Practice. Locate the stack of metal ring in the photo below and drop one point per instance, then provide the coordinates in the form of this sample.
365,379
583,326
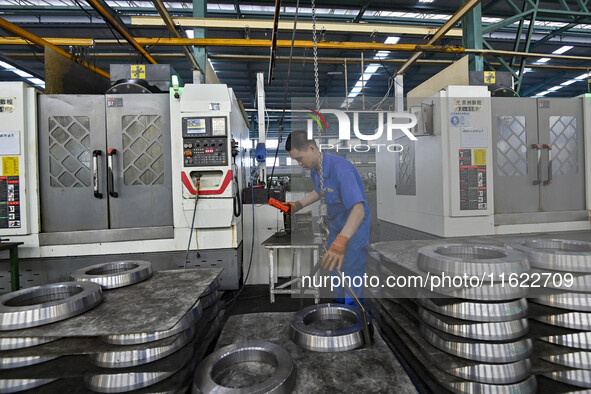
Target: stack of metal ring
481,323
37,306
157,361
302,330
161,359
565,305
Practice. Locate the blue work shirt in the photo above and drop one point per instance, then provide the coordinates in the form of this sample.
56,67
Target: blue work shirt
344,189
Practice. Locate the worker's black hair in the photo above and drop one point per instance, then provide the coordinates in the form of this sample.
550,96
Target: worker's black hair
298,139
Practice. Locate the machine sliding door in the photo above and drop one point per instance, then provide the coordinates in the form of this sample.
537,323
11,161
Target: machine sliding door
560,125
138,140
72,157
539,159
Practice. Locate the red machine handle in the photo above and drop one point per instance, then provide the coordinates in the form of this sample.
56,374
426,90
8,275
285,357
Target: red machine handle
279,205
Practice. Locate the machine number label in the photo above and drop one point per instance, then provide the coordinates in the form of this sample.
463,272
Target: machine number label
114,102
473,187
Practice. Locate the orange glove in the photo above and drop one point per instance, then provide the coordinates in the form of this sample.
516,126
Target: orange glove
335,254
294,207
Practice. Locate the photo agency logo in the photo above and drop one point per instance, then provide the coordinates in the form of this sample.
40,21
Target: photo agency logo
390,121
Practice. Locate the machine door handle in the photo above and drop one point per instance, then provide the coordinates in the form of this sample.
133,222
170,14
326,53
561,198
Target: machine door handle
110,177
95,179
548,180
538,148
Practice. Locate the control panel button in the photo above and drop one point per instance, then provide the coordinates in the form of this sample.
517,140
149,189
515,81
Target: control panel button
188,153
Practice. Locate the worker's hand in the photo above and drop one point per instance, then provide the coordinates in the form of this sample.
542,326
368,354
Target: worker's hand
335,254
294,207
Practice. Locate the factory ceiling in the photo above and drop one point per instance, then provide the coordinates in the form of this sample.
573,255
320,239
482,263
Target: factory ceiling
557,28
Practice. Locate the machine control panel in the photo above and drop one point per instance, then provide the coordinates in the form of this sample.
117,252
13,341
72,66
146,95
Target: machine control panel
205,141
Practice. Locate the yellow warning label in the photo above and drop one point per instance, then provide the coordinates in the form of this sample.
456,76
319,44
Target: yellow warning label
479,157
9,166
490,77
138,71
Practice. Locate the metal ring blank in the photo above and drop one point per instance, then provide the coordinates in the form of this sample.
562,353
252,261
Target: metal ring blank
579,360
45,304
505,352
281,381
130,358
128,381
496,293
576,377
555,254
318,340
571,301
16,385
460,259
24,342
579,340
186,321
573,320
115,274
529,385
478,311
494,373
494,331
17,362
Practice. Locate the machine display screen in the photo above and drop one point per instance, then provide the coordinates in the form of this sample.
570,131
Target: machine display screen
196,126
209,150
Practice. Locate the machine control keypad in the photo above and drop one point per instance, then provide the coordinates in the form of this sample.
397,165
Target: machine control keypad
212,152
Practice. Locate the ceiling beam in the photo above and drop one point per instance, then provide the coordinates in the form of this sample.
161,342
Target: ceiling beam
113,21
161,8
274,42
451,22
29,37
329,27
361,12
237,6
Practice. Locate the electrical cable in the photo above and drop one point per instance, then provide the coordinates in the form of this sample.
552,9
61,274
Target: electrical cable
280,138
100,16
192,222
231,302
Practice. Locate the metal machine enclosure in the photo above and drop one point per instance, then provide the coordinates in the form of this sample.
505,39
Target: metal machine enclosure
207,125
98,179
476,174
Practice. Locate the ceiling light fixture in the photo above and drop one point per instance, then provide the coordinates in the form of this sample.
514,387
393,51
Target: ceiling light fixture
563,49
570,82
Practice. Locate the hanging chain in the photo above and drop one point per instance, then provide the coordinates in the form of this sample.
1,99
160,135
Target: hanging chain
315,50
323,221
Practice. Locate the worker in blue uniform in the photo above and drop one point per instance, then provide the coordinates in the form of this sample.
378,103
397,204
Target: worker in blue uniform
347,209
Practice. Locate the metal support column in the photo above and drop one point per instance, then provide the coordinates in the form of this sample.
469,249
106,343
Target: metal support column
472,37
200,11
